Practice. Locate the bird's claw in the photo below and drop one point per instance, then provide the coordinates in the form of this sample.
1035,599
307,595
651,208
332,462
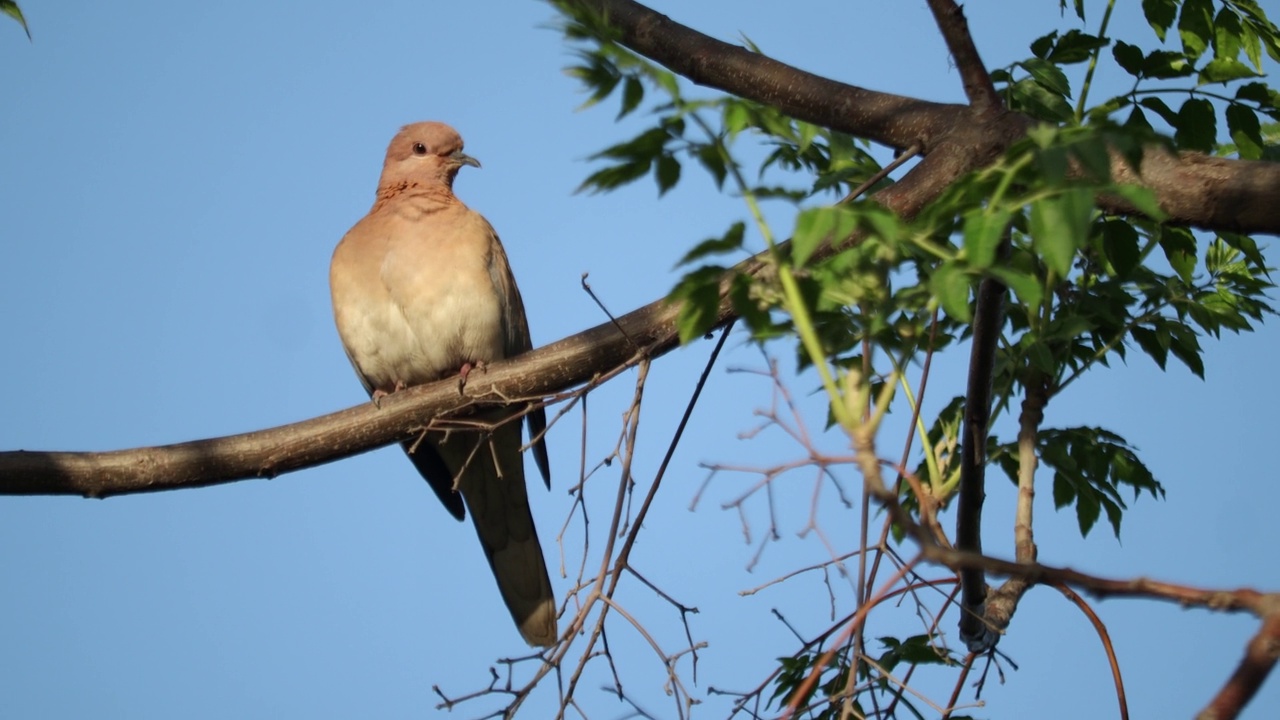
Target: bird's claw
465,371
380,393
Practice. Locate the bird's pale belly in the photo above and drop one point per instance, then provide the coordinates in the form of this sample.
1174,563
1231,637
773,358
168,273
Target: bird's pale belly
395,348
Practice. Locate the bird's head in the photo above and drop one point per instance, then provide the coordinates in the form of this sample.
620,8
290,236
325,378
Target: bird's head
425,153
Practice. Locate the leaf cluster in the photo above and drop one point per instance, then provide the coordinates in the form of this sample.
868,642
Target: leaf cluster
865,294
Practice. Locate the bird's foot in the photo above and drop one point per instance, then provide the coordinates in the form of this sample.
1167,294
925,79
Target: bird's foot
380,393
465,371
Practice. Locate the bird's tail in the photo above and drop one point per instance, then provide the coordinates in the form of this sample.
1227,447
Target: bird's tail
492,485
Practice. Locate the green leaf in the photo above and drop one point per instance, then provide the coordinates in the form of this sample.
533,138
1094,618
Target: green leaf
883,223
915,650
645,146
1075,47
1079,7
1094,157
1186,348
1036,100
1252,45
666,80
1090,465
614,176
754,310
1155,345
808,131
1141,198
632,94
1041,358
1041,46
814,226
1114,514
1088,509
1137,122
1052,162
1222,70
1195,27
713,160
1179,247
1246,245
983,229
1048,75
1067,327
737,116
1161,109
698,294
1160,14
10,8
1266,97
1196,128
1105,109
598,74
1164,64
1060,225
729,242
1025,285
1064,493
667,173
1227,35
1165,112
1245,130
1256,20
1120,245
1129,57
950,283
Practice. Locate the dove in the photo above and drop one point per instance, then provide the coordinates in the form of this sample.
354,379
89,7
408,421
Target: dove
422,291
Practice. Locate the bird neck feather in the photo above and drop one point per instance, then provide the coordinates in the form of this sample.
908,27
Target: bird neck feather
434,193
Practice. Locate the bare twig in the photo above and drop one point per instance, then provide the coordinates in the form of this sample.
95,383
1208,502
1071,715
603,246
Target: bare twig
586,286
1107,646
881,174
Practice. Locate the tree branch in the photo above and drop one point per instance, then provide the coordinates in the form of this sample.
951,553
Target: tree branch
1002,602
589,357
1193,189
973,73
1260,604
1259,659
987,323
885,118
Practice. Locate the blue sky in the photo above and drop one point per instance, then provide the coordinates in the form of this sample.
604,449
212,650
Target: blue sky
175,177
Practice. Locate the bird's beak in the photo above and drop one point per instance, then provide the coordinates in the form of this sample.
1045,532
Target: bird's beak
464,159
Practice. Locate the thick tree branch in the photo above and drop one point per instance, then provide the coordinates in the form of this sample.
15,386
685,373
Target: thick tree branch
884,118
588,357
987,323
973,73
1193,189
1206,192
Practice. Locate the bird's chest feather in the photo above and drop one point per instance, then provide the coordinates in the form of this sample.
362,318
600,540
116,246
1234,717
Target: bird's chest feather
429,307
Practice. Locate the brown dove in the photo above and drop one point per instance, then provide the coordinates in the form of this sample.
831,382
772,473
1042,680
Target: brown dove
422,291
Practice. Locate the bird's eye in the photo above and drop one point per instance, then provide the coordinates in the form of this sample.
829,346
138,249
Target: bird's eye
419,149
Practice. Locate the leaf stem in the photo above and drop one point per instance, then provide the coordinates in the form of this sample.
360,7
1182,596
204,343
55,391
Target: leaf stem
1093,63
793,300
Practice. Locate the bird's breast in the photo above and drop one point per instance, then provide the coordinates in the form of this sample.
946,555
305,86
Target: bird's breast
419,314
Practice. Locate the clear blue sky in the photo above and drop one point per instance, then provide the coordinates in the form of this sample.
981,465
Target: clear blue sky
175,177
